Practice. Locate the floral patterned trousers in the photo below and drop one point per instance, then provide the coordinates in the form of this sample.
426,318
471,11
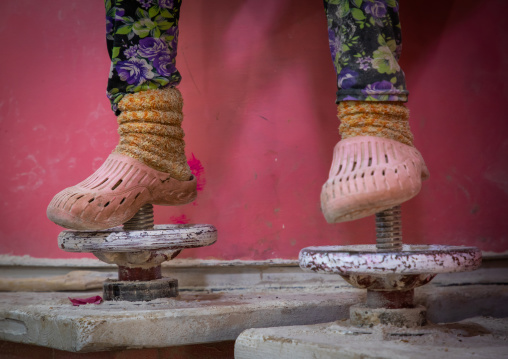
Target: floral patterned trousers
364,36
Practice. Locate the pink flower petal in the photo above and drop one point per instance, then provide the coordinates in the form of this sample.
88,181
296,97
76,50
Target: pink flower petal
82,301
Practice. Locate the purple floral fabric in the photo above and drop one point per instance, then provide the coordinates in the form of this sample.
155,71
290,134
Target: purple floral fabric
142,38
365,44
364,37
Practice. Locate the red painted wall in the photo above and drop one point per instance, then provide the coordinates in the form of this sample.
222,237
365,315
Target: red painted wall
259,91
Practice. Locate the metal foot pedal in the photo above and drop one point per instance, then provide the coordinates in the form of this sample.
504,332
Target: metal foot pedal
388,325
138,249
389,271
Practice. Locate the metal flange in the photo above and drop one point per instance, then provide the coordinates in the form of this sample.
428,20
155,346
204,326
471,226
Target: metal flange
411,260
161,237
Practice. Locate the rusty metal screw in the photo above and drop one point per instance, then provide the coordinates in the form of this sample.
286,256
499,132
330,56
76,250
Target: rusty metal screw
389,230
143,219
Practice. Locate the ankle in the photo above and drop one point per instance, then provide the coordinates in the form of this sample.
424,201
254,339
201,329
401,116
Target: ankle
380,119
150,131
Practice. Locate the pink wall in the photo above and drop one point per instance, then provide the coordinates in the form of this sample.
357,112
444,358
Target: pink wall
259,91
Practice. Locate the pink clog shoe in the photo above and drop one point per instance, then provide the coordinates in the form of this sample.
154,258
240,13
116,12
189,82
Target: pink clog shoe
115,192
368,175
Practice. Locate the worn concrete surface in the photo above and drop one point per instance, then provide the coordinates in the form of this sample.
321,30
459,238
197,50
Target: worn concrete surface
49,319
72,281
218,301
478,337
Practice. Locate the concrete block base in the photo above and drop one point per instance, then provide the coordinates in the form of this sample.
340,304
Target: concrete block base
478,337
49,319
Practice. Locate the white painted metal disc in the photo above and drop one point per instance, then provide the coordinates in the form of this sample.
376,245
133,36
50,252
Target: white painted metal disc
413,259
162,237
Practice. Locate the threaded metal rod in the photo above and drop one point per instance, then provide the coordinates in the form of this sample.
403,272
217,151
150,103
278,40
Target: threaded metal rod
389,230
143,219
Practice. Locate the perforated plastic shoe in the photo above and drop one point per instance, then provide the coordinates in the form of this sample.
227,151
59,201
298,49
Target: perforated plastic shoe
115,192
369,175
